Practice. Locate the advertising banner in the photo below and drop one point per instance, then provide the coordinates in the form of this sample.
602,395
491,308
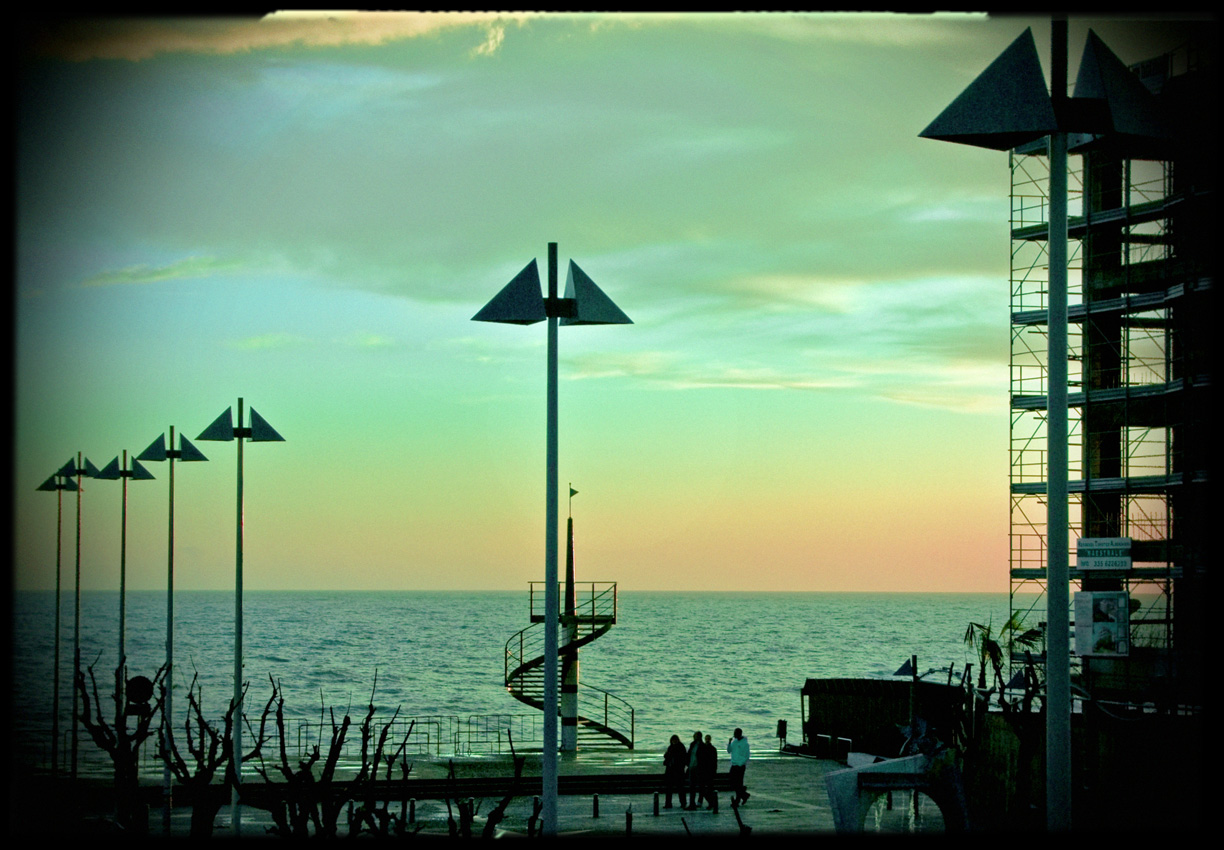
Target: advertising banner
1103,553
1102,623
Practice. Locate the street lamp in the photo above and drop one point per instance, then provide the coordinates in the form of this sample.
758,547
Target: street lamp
1006,106
156,453
520,303
111,472
223,429
78,470
59,483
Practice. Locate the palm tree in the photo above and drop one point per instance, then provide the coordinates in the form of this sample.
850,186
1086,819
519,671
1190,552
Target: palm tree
990,650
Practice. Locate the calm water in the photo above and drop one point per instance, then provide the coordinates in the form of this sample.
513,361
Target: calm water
685,661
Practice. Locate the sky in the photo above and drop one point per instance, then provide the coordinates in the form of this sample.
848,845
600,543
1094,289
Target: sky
305,211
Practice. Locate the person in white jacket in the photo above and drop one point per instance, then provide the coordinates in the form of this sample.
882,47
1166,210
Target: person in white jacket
737,746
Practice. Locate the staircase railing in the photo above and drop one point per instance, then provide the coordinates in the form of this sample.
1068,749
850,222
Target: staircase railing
595,601
594,613
608,710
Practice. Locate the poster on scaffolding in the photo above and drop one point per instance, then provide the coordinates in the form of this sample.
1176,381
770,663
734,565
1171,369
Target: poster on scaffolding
1102,623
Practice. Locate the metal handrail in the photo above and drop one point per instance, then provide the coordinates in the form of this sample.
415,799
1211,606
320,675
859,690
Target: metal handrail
616,712
595,608
599,601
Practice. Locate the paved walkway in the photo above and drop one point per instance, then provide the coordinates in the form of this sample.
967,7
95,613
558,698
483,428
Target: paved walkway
788,797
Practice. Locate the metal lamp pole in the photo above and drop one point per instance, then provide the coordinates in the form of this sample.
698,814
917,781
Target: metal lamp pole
59,482
158,452
111,472
222,429
78,470
1058,594
1006,106
520,303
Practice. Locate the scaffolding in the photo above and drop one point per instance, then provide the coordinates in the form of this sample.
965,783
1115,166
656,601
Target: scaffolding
1140,277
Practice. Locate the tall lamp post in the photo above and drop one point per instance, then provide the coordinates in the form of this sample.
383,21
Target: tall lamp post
520,303
1006,106
79,469
111,472
223,429
59,483
156,453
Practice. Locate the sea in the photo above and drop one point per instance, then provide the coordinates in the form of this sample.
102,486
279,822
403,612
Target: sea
684,661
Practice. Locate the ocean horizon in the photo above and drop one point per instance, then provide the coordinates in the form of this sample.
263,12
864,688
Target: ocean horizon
684,660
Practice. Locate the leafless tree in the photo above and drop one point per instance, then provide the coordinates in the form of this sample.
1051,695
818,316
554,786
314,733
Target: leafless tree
209,750
310,806
499,812
132,698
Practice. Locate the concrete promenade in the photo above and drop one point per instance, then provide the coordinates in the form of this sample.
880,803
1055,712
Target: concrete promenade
788,797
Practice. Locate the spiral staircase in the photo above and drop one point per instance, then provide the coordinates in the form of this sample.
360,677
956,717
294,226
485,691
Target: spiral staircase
603,719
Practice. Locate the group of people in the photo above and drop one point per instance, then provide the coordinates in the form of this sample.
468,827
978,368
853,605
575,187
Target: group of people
689,773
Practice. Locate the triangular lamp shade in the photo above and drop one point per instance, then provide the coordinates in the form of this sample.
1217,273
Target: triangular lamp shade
1131,110
906,669
261,431
139,473
110,472
188,451
68,470
1007,105
520,301
591,305
222,428
49,484
156,450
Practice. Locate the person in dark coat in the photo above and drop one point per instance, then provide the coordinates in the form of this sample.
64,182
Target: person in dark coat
675,763
707,767
694,775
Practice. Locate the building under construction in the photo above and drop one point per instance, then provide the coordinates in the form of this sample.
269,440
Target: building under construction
1142,251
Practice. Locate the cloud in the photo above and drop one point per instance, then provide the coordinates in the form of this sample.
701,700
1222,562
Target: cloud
370,340
497,34
884,29
136,39
189,267
672,370
268,341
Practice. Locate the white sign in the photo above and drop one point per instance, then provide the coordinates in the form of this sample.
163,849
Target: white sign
1103,553
1102,623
